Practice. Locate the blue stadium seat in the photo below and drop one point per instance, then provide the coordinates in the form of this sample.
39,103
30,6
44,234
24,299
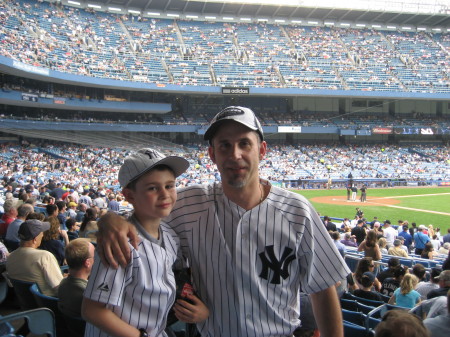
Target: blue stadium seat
40,321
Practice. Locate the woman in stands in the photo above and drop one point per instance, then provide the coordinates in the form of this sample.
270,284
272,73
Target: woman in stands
382,243
428,252
406,296
370,246
355,280
51,240
89,224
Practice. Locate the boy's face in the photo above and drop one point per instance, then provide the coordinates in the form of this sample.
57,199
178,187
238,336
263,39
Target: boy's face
154,195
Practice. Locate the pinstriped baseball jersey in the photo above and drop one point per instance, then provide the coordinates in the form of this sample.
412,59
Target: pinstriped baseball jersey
249,266
142,293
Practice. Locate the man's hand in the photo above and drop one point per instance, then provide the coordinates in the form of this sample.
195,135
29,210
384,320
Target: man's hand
191,313
114,232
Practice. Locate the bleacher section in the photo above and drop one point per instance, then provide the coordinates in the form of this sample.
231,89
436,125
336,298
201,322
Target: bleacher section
192,53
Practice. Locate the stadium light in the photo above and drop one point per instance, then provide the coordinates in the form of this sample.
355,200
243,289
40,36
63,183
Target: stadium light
228,18
391,27
94,6
245,19
421,28
329,23
114,9
262,20
210,17
360,25
345,24
280,20
76,3
296,21
436,29
173,15
376,26
313,22
153,13
406,28
192,16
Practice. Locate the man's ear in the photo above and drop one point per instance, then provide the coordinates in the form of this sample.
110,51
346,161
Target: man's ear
211,154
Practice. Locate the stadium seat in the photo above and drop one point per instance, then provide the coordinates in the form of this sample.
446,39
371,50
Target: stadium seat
23,294
353,330
40,321
349,304
51,303
354,317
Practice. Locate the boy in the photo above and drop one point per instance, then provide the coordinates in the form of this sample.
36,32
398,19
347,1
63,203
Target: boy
135,301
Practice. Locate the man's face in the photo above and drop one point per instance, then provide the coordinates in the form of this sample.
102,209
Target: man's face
237,151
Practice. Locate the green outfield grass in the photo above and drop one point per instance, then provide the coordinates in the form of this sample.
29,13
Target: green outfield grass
432,199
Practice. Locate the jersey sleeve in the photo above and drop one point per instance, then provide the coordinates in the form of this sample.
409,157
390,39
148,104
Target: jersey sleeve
106,285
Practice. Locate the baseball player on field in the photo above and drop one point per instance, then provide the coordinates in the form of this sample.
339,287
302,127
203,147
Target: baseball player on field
252,247
135,300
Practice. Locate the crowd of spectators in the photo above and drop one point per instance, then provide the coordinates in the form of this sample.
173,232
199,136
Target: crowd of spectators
293,166
180,52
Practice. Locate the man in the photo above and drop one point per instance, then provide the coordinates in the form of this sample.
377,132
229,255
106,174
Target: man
420,240
390,233
71,210
445,249
349,240
393,264
57,192
81,212
329,225
439,325
85,198
397,250
12,239
113,205
28,263
446,237
359,232
408,238
444,285
363,190
424,287
251,246
340,246
80,258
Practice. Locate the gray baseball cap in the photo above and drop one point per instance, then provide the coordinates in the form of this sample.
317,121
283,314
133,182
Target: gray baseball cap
29,229
142,161
239,114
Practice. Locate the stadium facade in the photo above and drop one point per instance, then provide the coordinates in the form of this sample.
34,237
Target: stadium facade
312,75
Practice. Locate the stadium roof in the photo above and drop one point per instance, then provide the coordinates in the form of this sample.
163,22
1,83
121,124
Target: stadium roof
434,13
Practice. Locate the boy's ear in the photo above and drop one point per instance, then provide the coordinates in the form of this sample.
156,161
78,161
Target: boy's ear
128,194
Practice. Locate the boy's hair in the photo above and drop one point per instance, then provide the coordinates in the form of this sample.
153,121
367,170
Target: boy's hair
132,184
401,323
77,252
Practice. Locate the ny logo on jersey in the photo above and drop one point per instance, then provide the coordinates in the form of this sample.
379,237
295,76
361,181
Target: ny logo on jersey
279,267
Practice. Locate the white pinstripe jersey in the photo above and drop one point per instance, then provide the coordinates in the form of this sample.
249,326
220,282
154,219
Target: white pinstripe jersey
142,293
249,266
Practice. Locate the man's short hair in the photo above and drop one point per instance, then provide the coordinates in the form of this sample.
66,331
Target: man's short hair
24,210
77,252
419,270
51,209
393,262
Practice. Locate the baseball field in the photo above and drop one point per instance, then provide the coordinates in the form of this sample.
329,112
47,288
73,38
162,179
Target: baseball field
422,205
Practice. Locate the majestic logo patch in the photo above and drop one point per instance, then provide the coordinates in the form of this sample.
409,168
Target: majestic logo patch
103,287
279,267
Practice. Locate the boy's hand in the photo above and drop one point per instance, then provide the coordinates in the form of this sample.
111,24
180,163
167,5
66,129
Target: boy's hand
191,313
113,234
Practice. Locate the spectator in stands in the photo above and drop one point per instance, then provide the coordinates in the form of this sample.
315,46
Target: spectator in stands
445,249
391,283
379,231
57,192
71,210
435,242
405,295
397,250
349,240
382,243
340,246
354,280
367,281
80,213
370,246
390,233
408,238
446,237
12,239
62,207
444,285
51,240
428,252
27,263
89,224
419,270
7,217
100,201
440,325
420,239
329,225
424,287
85,198
393,263
4,253
359,232
113,205
80,259
401,323
72,229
